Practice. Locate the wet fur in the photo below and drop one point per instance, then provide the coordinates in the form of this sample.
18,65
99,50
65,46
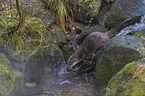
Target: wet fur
92,42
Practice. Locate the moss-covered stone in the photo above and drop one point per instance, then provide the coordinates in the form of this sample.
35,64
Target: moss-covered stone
130,81
122,9
103,69
8,77
108,18
116,53
139,35
44,51
85,12
69,49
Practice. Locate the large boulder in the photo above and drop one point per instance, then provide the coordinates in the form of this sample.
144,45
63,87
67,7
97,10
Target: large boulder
129,81
11,80
43,52
116,53
85,11
16,60
48,58
121,9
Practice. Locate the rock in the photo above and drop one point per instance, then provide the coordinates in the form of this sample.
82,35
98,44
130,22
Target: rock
43,52
121,9
16,60
49,57
137,30
133,29
11,80
129,81
85,11
96,28
34,68
116,53
58,35
37,53
140,35
69,49
54,57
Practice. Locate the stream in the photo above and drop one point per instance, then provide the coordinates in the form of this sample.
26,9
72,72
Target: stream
53,85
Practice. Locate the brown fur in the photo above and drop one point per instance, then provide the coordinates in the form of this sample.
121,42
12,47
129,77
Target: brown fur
92,42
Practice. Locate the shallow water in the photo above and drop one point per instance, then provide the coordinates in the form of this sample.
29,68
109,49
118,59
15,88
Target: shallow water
53,85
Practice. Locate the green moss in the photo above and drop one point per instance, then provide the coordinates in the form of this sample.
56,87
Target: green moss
109,18
139,35
12,25
68,50
103,70
34,37
137,86
130,81
8,75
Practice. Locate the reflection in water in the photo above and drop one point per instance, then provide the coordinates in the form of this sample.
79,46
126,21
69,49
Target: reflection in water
53,85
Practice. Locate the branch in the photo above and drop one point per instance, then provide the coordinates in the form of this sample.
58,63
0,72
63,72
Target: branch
20,13
20,20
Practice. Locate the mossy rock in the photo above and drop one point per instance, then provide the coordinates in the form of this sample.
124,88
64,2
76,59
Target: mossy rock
129,81
41,50
69,49
115,54
8,78
85,11
139,35
122,9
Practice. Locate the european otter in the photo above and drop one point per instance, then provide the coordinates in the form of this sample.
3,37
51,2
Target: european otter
92,42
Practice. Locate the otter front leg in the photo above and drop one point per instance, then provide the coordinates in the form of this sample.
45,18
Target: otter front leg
75,63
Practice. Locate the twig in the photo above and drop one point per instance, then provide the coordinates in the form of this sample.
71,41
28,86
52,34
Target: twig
20,20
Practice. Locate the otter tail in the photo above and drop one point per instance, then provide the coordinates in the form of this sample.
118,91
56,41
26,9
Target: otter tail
114,30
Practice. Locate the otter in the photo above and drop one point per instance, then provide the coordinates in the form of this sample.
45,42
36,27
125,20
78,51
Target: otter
92,42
